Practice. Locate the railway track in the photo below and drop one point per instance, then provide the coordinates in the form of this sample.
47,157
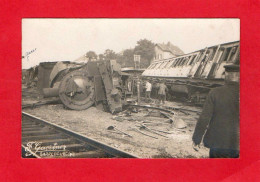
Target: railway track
42,139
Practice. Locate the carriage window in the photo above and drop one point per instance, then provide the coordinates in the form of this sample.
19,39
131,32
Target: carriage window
158,65
186,60
168,63
152,66
212,54
219,54
175,60
226,54
174,63
200,57
182,61
163,64
205,58
179,62
232,54
192,60
171,63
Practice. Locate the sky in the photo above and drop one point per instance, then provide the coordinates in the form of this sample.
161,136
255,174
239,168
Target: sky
69,39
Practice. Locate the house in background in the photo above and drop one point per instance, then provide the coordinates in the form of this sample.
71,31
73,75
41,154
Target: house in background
165,51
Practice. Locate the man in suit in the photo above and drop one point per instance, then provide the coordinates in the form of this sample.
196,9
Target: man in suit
219,120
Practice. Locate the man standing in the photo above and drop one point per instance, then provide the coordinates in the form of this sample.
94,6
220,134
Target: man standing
219,119
162,92
148,89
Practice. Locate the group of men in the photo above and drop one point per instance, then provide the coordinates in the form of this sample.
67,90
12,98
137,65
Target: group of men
218,124
161,92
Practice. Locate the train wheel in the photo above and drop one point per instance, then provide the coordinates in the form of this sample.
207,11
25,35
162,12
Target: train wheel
76,90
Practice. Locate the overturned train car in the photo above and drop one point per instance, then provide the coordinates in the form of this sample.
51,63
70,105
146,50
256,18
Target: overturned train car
194,74
80,86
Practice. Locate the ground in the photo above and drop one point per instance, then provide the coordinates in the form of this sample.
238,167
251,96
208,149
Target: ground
94,124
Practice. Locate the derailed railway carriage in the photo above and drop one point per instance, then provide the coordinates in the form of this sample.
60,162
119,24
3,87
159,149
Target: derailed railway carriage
194,74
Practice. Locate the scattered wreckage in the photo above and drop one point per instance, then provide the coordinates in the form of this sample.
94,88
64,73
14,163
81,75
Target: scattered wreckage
150,121
101,83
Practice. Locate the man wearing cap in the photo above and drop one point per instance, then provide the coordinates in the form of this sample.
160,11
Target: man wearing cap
219,120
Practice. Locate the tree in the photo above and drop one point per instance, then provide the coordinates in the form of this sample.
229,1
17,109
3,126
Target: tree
120,60
126,59
145,48
110,54
129,57
101,56
91,55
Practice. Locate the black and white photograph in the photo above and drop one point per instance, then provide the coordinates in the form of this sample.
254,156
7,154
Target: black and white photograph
130,88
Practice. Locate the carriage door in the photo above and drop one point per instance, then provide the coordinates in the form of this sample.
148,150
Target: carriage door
210,62
196,64
203,64
219,73
216,63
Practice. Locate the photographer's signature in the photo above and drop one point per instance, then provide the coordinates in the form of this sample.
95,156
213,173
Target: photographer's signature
54,150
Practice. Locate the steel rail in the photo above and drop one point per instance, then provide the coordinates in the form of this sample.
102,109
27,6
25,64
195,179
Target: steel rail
76,136
151,107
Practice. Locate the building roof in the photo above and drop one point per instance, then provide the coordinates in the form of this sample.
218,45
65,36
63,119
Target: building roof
170,48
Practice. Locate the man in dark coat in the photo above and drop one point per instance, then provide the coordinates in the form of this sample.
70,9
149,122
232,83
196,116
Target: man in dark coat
162,92
219,120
